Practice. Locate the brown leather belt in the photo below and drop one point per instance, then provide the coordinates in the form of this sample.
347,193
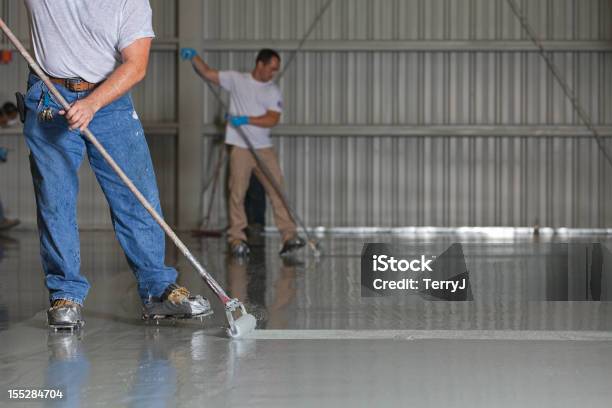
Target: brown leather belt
74,84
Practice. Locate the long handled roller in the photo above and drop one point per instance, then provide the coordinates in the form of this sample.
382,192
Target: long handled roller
238,327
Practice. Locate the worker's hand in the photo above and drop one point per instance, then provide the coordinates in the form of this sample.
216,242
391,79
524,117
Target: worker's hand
238,121
3,154
188,53
80,114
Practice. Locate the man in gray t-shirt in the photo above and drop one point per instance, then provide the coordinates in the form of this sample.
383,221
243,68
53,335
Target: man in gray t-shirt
95,51
90,34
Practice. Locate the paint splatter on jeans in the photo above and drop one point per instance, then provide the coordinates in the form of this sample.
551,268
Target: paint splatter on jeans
56,154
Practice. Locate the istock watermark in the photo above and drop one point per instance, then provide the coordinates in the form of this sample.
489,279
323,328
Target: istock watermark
384,263
390,270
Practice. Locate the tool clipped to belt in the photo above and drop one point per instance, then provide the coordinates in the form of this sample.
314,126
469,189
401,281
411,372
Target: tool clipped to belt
72,84
46,114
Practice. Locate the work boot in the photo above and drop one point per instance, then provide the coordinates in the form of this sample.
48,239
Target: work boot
239,249
6,224
176,303
292,245
65,315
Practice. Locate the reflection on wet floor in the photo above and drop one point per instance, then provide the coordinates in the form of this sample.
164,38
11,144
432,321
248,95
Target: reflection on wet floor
122,364
516,284
68,368
247,280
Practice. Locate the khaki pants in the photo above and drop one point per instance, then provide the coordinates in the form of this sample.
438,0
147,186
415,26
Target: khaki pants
242,164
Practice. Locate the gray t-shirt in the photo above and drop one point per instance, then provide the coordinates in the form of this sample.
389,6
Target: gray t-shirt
84,38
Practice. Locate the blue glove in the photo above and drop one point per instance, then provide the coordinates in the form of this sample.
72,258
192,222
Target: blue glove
238,121
188,53
3,154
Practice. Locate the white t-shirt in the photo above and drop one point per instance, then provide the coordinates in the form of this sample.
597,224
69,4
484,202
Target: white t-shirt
249,97
84,38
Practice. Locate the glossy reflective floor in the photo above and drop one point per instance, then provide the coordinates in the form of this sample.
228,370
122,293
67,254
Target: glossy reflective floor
536,331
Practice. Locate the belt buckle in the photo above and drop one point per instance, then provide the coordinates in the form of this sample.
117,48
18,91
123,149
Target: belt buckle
73,83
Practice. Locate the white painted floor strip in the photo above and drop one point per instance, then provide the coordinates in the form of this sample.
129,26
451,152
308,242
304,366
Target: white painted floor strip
530,335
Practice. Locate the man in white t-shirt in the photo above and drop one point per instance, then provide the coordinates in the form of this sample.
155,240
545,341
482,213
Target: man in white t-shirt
256,105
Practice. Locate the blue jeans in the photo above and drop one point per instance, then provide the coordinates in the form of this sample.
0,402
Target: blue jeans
56,154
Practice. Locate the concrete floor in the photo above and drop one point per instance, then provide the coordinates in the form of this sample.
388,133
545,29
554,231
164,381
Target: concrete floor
530,336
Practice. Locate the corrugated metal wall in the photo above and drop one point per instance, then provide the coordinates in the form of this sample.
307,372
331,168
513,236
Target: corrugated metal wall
405,19
155,100
458,137
378,132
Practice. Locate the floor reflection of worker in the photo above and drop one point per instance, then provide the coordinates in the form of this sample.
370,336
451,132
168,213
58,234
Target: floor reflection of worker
68,369
248,282
155,382
285,291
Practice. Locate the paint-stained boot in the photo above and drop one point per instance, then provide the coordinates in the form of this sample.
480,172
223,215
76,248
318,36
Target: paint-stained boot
65,315
176,303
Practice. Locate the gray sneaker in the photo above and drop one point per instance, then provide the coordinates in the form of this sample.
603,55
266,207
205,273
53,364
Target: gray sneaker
65,315
176,303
